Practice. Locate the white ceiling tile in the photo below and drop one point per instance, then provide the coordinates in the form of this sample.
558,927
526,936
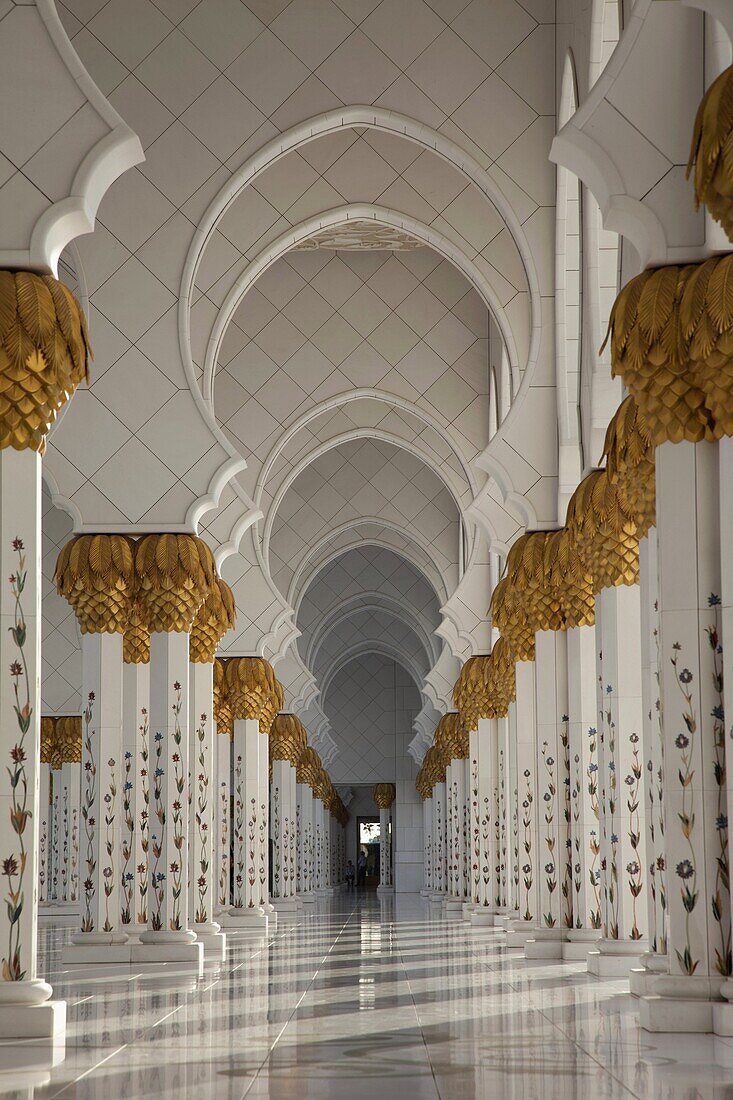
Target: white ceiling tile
248,217
320,196
393,282
421,310
21,205
365,368
140,109
311,98
228,394
494,116
308,310
106,70
323,151
176,72
448,71
530,69
267,72
121,386
360,174
254,312
282,400
393,339
405,96
336,339
252,367
450,338
450,395
221,29
357,10
395,149
436,180
494,30
252,424
403,29
133,299
103,434
178,164
133,209
222,117
336,282
364,310
131,28
309,367
134,479
401,196
447,283
312,29
280,283
287,179
176,10
358,72
280,339
267,10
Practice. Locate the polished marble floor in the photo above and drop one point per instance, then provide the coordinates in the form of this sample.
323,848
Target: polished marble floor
360,999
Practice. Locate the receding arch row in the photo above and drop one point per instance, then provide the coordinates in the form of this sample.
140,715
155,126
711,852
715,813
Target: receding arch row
329,122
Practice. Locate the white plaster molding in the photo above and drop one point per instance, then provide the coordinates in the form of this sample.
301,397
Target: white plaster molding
290,239
329,122
104,162
368,602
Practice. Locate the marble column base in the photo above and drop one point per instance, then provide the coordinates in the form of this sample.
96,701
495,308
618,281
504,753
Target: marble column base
308,899
468,908
425,892
482,917
641,978
186,955
213,943
247,921
615,958
97,948
285,907
504,921
546,943
578,942
324,892
385,891
453,908
34,1021
518,932
680,1004
437,898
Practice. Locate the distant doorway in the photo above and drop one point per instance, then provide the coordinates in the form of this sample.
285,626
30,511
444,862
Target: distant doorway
367,853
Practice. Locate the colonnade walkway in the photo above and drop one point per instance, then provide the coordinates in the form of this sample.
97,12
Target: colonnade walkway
360,998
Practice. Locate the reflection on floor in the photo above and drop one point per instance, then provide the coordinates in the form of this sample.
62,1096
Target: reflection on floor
359,1000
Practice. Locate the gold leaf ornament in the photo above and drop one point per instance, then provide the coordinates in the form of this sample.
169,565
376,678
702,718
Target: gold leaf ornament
96,575
711,153
175,573
214,618
44,355
384,795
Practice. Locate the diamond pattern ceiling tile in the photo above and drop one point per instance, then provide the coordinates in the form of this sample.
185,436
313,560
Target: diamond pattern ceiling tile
358,71
267,72
448,71
403,29
312,29
221,29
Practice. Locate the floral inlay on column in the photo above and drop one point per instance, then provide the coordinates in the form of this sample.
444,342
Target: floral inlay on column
142,867
126,875
202,801
528,867
157,876
89,798
14,862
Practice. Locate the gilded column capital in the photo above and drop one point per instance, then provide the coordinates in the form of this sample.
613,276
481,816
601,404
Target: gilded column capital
630,464
472,690
68,736
215,617
48,737
288,739
308,768
711,153
509,614
44,355
384,795
253,690
136,639
175,573
96,575
223,715
451,737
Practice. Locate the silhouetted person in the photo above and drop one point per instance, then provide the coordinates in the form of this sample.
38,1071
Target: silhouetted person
349,876
361,869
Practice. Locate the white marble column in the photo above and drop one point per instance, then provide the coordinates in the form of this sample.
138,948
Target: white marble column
691,669
621,782
291,851
551,705
223,750
135,794
263,834
513,814
45,830
247,913
386,885
530,858
484,785
654,961
168,936
58,838
102,937
427,834
583,734
305,843
202,812
282,822
717,657
440,862
504,800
